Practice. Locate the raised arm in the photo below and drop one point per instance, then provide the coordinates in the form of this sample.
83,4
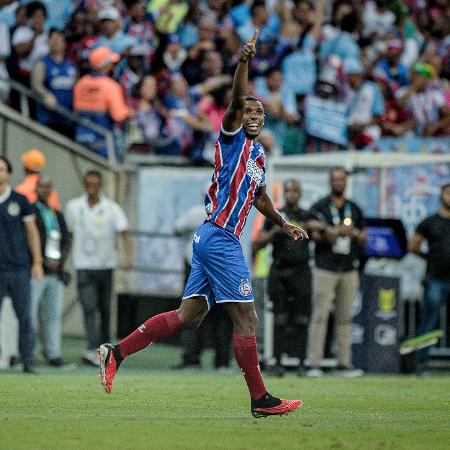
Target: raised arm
232,119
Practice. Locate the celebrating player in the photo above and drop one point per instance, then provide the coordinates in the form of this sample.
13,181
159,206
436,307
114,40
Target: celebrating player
219,272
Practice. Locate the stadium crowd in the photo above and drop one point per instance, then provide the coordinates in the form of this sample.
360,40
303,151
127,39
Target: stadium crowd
330,74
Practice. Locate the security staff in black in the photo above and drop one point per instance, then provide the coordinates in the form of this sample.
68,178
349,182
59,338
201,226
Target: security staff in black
289,283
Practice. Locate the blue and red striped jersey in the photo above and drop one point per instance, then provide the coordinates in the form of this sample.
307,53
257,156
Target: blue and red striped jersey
239,170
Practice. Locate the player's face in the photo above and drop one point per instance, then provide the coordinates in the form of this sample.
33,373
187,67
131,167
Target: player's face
253,118
4,174
445,198
338,182
292,193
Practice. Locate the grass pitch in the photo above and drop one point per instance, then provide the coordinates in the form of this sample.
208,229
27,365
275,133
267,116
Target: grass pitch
152,409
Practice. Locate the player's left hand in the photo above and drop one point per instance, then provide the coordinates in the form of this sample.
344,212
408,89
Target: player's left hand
249,49
295,232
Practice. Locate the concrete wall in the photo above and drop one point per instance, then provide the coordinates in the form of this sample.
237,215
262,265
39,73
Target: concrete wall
66,164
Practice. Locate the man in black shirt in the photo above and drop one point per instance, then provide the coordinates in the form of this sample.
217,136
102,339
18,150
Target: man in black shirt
335,277
289,283
435,230
20,258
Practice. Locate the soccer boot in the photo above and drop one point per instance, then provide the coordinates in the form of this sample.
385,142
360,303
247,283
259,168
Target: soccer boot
110,360
267,405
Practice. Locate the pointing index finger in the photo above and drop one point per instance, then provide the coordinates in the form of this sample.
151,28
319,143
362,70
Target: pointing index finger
255,37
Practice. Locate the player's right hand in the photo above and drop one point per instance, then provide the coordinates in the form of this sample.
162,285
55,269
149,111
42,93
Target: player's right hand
295,232
249,49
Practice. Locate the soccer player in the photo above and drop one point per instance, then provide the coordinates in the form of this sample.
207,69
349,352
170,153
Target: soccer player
219,272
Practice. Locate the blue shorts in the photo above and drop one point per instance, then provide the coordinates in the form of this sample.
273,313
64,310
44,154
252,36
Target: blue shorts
219,272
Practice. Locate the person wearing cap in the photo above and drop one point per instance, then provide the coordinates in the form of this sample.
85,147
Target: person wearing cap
20,260
99,98
424,102
33,162
135,69
53,78
112,34
391,67
365,105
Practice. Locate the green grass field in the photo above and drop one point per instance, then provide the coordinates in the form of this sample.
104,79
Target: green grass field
163,409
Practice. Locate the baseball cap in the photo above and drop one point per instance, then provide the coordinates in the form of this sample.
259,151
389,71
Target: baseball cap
33,159
22,35
102,56
109,13
353,66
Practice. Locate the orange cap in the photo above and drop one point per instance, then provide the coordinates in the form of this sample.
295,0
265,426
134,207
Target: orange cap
33,160
102,56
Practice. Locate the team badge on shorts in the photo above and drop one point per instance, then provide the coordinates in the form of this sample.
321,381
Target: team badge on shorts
245,288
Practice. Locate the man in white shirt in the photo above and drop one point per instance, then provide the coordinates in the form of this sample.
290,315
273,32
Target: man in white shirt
95,221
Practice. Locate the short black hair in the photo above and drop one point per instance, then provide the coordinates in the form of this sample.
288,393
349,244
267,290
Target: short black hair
338,169
257,4
56,30
444,187
7,162
32,7
93,173
252,97
349,22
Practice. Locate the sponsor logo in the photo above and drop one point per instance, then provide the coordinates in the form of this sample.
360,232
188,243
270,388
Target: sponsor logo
357,334
386,304
245,288
13,209
385,335
142,328
196,238
256,173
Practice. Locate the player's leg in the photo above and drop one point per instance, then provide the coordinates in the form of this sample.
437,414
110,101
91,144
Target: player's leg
191,313
244,318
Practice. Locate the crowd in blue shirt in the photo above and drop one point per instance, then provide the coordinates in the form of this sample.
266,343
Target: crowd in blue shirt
387,61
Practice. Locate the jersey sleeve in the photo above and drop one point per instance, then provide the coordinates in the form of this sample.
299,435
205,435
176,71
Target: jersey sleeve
227,137
27,211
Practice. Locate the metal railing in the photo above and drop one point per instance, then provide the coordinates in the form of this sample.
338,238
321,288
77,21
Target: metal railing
26,94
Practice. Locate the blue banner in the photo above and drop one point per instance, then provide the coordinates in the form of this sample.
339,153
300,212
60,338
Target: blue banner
326,119
411,144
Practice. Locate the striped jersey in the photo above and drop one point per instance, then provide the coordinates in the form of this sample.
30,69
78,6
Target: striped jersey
239,170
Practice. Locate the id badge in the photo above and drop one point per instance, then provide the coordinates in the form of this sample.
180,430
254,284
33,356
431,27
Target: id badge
342,245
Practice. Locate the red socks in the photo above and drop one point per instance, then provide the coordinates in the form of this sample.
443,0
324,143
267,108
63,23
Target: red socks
153,330
247,358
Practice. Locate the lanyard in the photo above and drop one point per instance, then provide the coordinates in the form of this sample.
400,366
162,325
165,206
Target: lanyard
335,213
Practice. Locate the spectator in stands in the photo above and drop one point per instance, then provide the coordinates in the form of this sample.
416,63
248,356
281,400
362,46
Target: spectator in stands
21,254
53,78
391,67
210,63
426,104
377,19
335,276
167,14
112,34
5,52
435,230
94,222
139,26
8,10
37,17
135,69
58,12
260,18
47,294
343,44
33,162
99,98
289,283
174,55
151,117
366,105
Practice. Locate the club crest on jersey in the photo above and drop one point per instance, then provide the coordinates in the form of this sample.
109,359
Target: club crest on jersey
13,209
245,288
255,172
